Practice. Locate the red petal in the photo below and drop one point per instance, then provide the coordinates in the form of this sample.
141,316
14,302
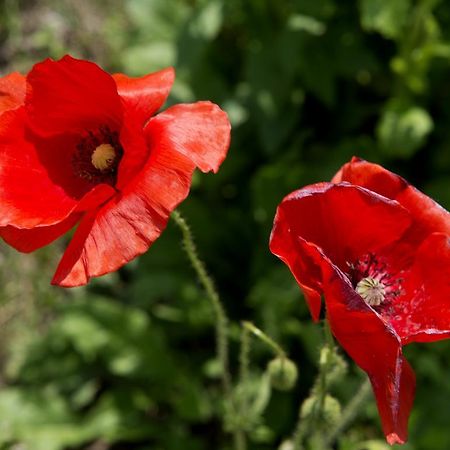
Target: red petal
71,95
39,187
284,244
345,221
428,215
376,348
135,147
30,240
422,314
128,224
369,341
12,91
29,197
145,95
200,131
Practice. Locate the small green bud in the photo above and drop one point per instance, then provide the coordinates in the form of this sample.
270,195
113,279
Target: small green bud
336,365
283,373
331,409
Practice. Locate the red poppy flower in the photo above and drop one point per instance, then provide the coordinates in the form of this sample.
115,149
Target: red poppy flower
78,145
379,252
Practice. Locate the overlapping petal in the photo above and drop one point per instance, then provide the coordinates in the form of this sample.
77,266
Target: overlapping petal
71,96
28,195
127,225
200,131
428,216
145,95
344,221
29,240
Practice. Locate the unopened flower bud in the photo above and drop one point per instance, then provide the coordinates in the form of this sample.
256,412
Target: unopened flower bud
331,410
283,373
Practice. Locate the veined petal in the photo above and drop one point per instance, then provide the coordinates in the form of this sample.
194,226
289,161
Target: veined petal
71,95
428,216
12,91
422,313
200,131
145,95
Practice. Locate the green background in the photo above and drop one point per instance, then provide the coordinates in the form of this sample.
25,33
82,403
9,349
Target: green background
127,363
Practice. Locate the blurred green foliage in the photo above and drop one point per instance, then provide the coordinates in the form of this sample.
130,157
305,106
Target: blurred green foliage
128,362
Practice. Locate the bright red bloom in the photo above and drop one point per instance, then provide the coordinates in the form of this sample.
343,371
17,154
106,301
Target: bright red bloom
379,252
78,145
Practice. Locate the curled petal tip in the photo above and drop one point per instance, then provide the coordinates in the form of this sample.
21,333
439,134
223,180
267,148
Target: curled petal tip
393,438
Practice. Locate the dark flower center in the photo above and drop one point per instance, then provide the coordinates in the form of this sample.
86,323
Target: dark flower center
97,156
374,281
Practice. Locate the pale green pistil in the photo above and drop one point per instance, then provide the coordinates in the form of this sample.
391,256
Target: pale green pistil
371,290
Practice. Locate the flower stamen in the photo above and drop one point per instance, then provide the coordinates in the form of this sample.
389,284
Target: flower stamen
371,290
103,157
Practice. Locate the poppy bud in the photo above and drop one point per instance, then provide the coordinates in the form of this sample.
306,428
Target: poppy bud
283,373
331,409
336,365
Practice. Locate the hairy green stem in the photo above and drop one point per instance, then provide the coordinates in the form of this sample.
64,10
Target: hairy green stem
221,322
213,296
350,411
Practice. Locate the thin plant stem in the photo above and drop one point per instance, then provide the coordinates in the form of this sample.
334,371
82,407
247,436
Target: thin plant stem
350,411
240,440
263,337
221,322
213,296
244,356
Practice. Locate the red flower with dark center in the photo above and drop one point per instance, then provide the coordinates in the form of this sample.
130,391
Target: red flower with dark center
78,145
379,252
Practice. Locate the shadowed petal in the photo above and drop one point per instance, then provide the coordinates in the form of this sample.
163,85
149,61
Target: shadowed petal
29,240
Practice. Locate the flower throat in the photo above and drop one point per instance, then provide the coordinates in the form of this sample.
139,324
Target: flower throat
97,156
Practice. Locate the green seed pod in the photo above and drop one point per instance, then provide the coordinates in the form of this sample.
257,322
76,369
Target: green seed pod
283,373
331,409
